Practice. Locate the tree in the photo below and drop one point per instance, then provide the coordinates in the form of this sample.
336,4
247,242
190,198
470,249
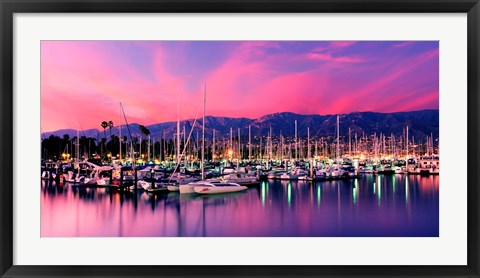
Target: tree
66,138
110,126
145,131
104,125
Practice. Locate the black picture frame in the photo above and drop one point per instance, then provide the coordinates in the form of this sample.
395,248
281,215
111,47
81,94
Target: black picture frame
9,7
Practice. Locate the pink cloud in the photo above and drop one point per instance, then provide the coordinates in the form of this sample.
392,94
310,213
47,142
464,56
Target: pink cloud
84,90
404,44
83,82
371,93
330,58
341,44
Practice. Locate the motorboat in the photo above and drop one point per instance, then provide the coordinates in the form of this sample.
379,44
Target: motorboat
217,188
241,178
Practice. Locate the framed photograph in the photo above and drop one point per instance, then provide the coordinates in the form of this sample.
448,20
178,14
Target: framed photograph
252,139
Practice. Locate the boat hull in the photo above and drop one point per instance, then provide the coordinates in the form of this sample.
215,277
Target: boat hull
218,190
186,189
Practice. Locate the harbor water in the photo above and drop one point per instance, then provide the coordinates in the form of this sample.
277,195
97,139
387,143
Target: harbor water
370,206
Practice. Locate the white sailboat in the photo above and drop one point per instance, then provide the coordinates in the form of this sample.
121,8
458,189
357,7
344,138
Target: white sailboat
189,188
212,186
205,187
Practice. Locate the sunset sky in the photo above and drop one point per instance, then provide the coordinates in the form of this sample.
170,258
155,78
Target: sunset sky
83,82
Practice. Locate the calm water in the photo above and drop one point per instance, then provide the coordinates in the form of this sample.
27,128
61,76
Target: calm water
370,206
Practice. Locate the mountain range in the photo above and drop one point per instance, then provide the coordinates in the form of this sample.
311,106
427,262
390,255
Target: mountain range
420,123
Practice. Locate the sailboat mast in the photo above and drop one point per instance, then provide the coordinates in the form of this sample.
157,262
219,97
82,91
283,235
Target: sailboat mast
260,148
271,143
349,143
249,142
407,142
178,134
296,144
184,137
308,142
120,134
213,146
77,153
239,150
148,151
338,137
203,128
355,151
282,144
231,140
129,133
406,156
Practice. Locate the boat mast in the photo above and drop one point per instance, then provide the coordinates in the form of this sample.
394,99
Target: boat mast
148,150
203,128
239,151
355,150
260,148
178,134
213,146
308,143
407,150
185,149
282,145
431,141
271,143
349,143
231,140
249,143
296,146
338,137
77,153
120,134
129,133
140,155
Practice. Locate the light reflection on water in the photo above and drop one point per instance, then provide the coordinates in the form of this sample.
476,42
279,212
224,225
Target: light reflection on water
370,206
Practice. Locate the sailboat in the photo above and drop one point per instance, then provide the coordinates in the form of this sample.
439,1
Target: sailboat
209,186
205,187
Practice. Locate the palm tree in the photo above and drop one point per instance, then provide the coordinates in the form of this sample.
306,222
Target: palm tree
104,125
145,132
110,126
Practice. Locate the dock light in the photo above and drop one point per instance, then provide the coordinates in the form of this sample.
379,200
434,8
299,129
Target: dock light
230,152
64,155
109,155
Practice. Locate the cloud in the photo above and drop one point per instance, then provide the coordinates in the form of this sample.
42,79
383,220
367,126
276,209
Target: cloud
330,58
403,44
83,82
341,44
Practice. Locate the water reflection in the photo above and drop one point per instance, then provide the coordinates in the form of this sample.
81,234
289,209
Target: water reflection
395,205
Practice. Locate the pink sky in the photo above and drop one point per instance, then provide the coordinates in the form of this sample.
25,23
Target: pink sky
83,82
